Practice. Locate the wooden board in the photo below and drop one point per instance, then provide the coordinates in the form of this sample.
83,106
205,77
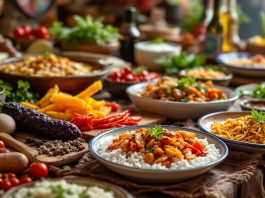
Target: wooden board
16,143
147,118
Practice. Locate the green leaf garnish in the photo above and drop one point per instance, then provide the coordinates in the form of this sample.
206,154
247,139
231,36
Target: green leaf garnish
158,41
184,83
157,132
149,149
259,91
87,29
175,63
258,116
140,69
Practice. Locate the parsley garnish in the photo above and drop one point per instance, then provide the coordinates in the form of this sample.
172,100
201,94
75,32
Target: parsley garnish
258,116
184,83
139,70
149,149
157,132
158,41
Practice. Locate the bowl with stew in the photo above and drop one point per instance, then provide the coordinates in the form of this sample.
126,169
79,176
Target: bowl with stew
249,104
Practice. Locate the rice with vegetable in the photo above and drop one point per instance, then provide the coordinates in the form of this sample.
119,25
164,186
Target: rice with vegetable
55,189
158,148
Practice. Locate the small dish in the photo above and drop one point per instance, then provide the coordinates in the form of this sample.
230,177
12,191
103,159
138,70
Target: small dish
155,175
147,52
206,122
240,70
217,81
253,104
179,110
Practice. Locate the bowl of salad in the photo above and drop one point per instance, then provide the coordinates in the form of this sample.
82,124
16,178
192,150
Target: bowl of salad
118,81
181,99
88,35
68,187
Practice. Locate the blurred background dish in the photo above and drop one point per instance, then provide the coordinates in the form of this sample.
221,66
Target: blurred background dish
250,104
245,69
147,52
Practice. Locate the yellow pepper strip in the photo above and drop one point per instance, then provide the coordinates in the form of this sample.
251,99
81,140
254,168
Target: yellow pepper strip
29,105
51,107
69,101
91,90
46,100
96,104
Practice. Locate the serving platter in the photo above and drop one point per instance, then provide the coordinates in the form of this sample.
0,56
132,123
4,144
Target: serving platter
240,70
155,175
118,191
17,143
206,122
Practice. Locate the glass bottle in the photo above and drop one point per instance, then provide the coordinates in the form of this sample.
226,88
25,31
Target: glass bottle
129,35
230,23
214,36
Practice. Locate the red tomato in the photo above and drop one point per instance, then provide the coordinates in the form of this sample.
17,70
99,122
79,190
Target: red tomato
165,140
1,182
14,181
27,29
11,175
38,170
6,185
19,32
25,179
41,32
2,144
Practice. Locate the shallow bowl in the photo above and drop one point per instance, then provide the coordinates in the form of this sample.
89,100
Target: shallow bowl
179,110
152,175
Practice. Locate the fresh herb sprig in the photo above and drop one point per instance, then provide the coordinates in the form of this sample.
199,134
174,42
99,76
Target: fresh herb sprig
157,132
175,63
20,93
87,29
186,82
258,116
259,91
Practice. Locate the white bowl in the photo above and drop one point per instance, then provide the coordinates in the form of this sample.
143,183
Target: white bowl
152,175
179,110
146,53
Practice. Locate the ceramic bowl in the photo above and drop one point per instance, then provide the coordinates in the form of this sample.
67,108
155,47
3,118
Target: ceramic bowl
157,176
206,122
257,104
118,191
217,81
68,84
147,53
179,110
240,70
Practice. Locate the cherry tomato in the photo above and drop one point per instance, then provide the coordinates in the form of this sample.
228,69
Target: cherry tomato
1,182
2,144
27,29
11,175
38,170
19,32
6,185
14,181
25,179
41,32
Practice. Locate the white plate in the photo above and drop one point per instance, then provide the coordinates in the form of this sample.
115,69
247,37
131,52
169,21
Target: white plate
157,176
206,122
179,110
240,70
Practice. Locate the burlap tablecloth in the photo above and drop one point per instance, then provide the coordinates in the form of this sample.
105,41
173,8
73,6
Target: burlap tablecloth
240,175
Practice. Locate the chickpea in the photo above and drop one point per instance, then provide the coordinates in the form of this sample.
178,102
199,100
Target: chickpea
149,158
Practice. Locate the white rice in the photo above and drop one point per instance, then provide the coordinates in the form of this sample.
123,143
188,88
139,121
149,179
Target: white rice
136,160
